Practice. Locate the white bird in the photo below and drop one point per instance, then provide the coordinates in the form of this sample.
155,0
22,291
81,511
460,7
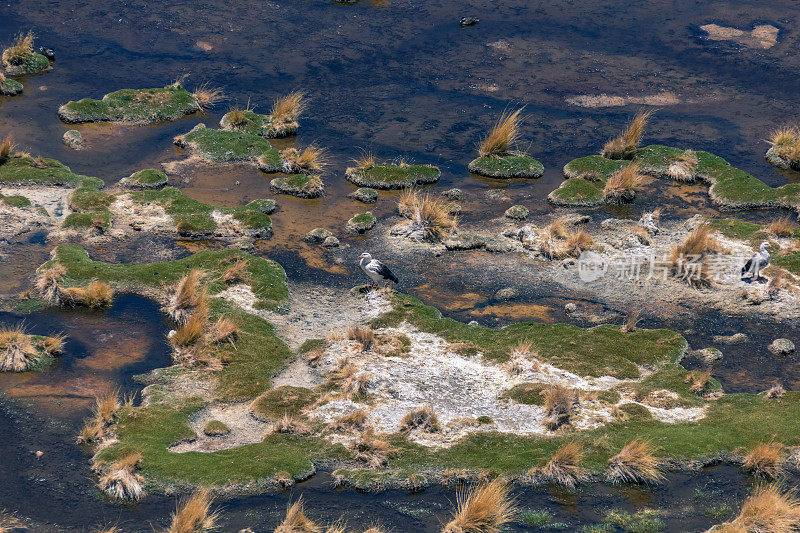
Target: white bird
376,270
756,263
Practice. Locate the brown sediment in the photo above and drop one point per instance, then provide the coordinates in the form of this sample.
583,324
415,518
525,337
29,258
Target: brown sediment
761,36
540,313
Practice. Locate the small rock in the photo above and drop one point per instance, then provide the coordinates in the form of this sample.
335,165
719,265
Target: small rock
318,235
498,245
39,453
708,356
468,21
781,347
361,223
453,208
508,293
330,242
171,333
473,323
465,241
571,307
454,194
576,219
74,140
136,226
365,195
736,338
517,212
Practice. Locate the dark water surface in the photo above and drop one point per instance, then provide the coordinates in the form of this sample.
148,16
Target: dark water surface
403,80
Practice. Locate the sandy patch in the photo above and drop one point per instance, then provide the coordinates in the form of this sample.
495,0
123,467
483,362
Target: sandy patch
663,98
244,429
763,36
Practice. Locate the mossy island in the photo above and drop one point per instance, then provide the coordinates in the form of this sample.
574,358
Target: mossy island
9,87
139,106
497,159
149,178
282,120
387,176
20,59
361,223
784,151
22,352
300,185
224,146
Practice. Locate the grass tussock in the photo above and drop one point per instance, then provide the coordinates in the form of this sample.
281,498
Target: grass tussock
698,381
96,427
564,468
20,352
288,108
484,509
503,135
364,335
621,186
625,145
186,295
194,514
423,418
365,161
786,142
357,385
428,212
236,272
311,160
775,392
121,481
770,509
633,318
355,421
207,97
557,242
636,463
192,331
371,449
782,227
690,259
290,424
765,460
560,403
95,295
684,168
296,520
578,242
7,148
224,329
21,49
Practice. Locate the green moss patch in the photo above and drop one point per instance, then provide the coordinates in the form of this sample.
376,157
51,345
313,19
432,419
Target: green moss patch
31,63
43,171
90,208
300,185
135,106
9,87
361,223
15,200
729,187
224,146
283,400
511,165
389,176
149,178
257,124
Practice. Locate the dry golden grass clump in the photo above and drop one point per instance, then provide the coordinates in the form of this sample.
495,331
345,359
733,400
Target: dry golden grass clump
187,294
563,468
7,147
698,380
484,509
786,142
236,116
296,520
558,242
236,272
22,48
206,97
288,108
684,168
311,160
357,385
560,403
522,357
690,259
194,514
765,460
364,335
577,243
423,418
224,329
20,352
430,213
94,295
775,392
503,135
625,146
192,331
8,521
365,162
371,449
47,282
781,228
95,428
633,318
635,463
621,186
770,509
121,481
291,424
355,421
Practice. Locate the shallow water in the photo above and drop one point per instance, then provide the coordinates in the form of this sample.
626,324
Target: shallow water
403,80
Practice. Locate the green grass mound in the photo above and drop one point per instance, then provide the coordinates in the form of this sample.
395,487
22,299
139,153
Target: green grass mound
755,234
15,200
149,178
257,124
27,170
216,428
9,87
361,223
279,401
90,208
300,185
511,165
388,176
135,106
193,218
729,187
31,63
225,146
